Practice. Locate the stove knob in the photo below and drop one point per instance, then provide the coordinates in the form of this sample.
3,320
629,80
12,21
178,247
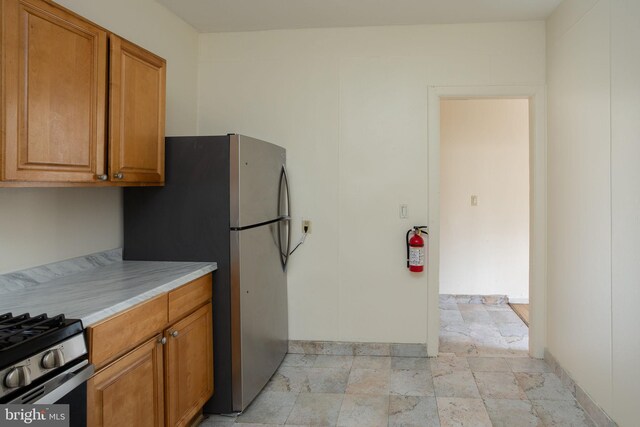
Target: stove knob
18,377
52,359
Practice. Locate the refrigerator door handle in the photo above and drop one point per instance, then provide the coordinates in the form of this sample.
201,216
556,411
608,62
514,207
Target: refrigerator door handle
285,216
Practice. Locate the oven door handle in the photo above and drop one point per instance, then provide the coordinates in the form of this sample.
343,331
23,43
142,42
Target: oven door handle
57,387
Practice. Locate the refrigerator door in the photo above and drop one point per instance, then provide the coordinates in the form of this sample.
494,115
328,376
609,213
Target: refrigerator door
254,181
259,326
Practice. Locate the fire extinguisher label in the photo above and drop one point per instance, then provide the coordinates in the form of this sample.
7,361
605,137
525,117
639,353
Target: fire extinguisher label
416,255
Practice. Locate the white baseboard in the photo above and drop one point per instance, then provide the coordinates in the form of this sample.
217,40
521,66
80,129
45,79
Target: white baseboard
519,300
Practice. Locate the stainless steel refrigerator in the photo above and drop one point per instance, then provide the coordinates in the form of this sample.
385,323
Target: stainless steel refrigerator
226,199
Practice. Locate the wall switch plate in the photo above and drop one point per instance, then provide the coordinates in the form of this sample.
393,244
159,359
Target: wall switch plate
474,200
404,211
306,224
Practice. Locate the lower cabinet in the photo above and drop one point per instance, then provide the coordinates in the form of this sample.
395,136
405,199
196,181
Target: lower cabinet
129,392
163,381
189,381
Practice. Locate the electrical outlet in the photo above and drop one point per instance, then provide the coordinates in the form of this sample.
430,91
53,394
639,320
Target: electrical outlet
306,226
474,200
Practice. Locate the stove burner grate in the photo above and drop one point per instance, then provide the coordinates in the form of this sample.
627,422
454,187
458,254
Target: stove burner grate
16,330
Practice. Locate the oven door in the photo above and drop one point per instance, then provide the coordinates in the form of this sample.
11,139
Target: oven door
67,387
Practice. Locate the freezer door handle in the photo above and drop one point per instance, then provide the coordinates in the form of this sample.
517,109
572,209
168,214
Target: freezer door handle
284,212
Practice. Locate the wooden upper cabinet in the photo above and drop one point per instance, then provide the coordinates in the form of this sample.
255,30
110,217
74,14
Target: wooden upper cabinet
78,105
54,66
136,113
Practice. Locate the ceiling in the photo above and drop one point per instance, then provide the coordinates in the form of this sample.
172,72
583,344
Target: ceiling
250,15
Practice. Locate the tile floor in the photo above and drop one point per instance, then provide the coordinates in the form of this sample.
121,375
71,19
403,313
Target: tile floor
483,377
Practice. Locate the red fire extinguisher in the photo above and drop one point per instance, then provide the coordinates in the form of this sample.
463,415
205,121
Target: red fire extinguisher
415,248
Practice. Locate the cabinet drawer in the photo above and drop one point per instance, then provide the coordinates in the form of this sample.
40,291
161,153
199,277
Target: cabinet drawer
122,332
187,298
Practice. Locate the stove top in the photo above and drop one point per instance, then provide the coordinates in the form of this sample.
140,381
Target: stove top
24,335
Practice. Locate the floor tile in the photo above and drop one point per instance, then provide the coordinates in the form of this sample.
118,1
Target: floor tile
371,362
513,331
299,360
471,307
482,331
447,299
456,329
411,383
450,316
239,424
512,413
528,365
369,381
324,361
318,409
447,364
455,384
363,410
488,364
458,346
497,307
481,377
413,411
520,347
498,385
457,412
505,317
561,413
289,379
477,316
217,421
270,407
414,363
495,300
543,386
448,306
372,349
327,380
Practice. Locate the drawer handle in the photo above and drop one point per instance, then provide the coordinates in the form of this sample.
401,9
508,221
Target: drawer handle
174,334
162,340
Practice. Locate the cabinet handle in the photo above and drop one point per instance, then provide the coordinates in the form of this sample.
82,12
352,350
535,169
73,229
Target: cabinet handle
119,175
102,177
162,340
174,334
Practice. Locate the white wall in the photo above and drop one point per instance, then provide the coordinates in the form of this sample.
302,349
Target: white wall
39,226
350,107
484,151
594,204
625,187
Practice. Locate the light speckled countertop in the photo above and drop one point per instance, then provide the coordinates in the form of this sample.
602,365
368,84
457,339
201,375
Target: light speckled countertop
96,293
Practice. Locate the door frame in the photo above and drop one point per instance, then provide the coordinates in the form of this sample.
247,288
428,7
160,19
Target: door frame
537,205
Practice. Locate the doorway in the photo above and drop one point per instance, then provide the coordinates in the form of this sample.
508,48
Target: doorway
484,225
533,97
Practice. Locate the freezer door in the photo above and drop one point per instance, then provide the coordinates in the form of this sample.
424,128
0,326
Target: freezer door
254,180
259,329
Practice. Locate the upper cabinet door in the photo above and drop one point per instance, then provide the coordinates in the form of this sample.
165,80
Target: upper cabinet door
54,66
136,114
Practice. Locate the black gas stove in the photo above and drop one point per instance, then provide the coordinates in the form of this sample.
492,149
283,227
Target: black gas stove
39,357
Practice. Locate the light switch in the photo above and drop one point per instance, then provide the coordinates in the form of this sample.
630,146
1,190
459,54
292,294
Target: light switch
474,200
404,211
